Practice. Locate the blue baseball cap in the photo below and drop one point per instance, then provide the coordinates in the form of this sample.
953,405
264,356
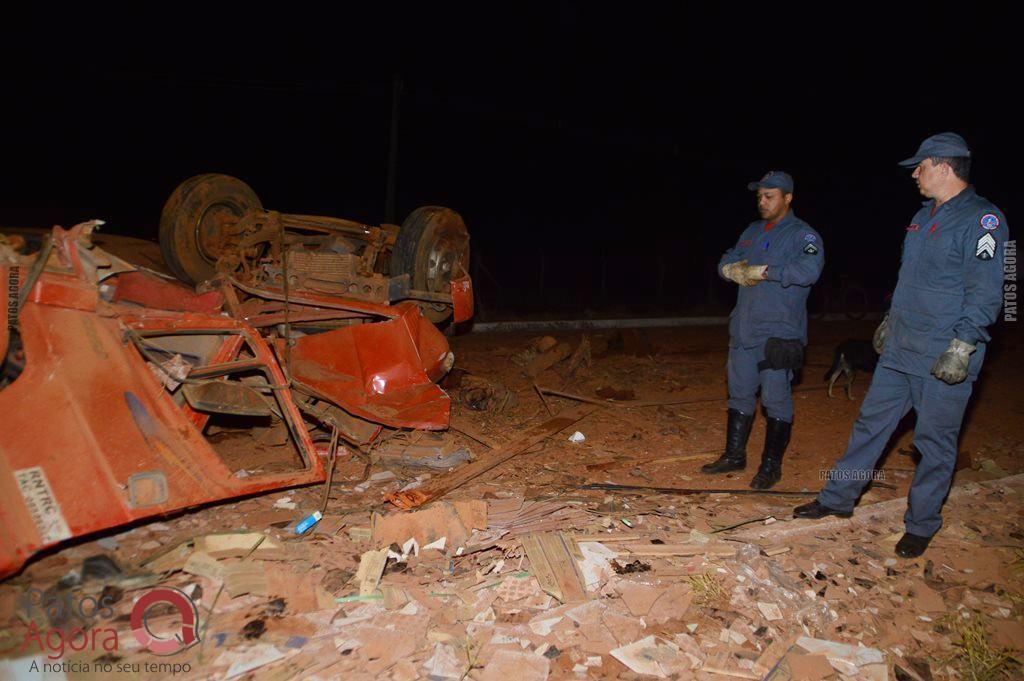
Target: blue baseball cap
944,145
773,179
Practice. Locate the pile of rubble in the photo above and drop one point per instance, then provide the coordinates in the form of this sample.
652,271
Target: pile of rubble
536,540
586,587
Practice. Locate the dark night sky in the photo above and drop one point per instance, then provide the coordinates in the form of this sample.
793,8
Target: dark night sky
624,135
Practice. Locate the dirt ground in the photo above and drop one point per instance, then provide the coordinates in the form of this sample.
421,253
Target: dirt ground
691,363
703,586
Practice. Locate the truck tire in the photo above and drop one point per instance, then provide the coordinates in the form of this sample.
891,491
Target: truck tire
195,223
432,247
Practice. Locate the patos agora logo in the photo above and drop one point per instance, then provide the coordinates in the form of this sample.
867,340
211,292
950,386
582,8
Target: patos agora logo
55,641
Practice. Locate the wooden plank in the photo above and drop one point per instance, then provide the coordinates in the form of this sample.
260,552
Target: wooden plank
500,507
565,568
627,463
601,537
444,484
545,361
540,567
775,550
649,489
570,543
626,404
371,567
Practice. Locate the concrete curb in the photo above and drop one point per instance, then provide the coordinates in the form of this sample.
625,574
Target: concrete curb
599,324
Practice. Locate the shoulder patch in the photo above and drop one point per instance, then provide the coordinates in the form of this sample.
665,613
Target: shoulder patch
990,221
811,249
986,248
810,237
914,227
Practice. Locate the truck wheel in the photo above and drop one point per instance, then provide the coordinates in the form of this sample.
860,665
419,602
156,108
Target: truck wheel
432,247
196,223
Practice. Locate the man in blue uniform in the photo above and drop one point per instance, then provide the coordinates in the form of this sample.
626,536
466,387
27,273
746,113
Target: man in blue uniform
775,262
932,342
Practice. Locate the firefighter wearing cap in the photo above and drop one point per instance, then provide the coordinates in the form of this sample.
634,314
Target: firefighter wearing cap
932,342
775,262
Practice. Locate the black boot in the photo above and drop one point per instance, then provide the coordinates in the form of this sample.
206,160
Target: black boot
736,434
912,545
776,439
814,510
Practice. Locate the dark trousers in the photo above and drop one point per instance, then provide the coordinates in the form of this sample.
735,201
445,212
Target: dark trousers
744,380
940,411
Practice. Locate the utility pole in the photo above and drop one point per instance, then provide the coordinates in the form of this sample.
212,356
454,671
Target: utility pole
391,198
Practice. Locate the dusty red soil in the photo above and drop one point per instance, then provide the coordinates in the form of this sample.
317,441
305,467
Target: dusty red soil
834,580
691,363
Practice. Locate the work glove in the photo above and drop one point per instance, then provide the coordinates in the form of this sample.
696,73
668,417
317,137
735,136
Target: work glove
744,274
880,333
951,366
731,270
750,275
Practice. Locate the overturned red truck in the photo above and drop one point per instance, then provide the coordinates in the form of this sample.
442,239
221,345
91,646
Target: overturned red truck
126,394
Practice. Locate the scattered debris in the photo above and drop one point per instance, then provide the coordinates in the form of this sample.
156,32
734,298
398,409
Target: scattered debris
513,517
809,667
553,560
371,567
430,450
444,484
452,520
552,568
360,534
513,664
238,544
580,358
614,394
847,659
630,568
694,490
548,359
653,656
481,395
304,525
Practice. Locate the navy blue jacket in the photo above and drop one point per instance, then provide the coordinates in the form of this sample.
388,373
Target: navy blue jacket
950,283
777,307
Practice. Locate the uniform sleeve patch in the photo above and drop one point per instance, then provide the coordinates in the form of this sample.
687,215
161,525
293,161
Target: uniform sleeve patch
810,237
811,249
986,248
990,221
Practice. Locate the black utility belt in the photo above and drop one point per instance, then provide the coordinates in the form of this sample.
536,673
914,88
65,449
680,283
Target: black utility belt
782,353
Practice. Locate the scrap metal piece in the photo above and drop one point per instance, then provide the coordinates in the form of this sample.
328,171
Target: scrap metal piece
215,224
117,448
226,397
382,372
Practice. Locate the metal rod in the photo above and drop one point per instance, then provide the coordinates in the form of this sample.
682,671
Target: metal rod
37,269
690,491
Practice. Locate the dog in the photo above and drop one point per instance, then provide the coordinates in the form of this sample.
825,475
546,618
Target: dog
850,357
